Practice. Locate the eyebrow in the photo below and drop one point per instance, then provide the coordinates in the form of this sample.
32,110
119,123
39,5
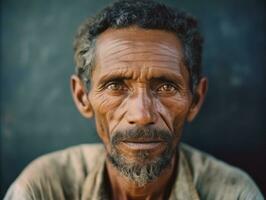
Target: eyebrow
172,79
111,77
166,76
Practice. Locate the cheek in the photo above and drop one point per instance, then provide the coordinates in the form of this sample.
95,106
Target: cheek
175,110
105,109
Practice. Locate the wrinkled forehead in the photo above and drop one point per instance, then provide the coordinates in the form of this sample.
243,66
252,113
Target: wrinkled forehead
138,46
135,37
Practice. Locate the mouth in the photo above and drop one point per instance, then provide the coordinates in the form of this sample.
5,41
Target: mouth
143,144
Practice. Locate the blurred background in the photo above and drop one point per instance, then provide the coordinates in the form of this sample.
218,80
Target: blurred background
37,112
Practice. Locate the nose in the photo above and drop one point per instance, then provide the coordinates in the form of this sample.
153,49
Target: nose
141,110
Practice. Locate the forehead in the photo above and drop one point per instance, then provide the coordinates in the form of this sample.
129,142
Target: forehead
122,49
135,37
138,34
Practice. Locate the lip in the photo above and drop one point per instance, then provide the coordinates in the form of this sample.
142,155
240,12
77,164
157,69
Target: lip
142,145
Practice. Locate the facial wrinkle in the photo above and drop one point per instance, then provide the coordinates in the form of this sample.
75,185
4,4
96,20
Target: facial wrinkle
148,56
145,57
124,45
154,46
105,101
111,44
148,53
162,113
118,121
166,122
120,116
119,64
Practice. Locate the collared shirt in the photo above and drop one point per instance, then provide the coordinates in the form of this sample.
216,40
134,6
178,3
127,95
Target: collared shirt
79,173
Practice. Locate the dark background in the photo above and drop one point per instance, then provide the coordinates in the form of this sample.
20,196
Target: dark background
37,112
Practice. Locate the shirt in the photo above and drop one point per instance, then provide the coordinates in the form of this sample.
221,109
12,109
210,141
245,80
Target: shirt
79,173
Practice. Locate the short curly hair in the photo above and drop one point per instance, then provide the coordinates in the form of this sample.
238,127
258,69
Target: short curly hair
146,14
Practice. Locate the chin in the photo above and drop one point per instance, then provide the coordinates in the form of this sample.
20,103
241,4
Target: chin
142,168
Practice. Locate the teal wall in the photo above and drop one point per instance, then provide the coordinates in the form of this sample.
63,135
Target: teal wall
37,112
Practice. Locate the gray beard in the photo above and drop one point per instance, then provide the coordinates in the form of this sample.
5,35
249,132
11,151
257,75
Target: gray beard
142,171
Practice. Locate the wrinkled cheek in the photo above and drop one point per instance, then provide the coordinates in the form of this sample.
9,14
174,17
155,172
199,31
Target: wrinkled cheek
175,111
180,118
104,109
101,104
102,129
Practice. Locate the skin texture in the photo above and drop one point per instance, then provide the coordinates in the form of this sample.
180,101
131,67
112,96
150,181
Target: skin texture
139,81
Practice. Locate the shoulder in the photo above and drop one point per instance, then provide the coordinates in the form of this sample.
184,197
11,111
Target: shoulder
56,175
216,179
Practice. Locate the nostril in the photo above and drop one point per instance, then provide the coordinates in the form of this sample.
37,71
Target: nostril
151,123
141,123
131,122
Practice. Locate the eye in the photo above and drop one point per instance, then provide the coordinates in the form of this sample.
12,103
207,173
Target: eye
167,88
116,86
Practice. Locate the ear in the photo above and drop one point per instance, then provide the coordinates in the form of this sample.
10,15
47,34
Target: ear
80,97
198,98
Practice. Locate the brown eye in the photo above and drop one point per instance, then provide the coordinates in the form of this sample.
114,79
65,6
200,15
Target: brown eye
167,88
116,86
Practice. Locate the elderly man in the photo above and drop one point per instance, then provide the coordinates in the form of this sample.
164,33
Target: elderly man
139,75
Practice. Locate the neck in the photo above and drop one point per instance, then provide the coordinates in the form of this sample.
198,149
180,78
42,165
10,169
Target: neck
123,188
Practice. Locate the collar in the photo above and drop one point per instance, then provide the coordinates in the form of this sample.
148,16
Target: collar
183,187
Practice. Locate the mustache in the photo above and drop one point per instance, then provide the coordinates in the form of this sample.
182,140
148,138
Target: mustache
145,133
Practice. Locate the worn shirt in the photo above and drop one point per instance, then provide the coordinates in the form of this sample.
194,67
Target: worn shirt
79,173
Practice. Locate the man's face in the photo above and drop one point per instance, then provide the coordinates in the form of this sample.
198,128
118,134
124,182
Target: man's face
140,97
139,85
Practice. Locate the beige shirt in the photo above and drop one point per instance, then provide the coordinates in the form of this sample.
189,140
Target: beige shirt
79,173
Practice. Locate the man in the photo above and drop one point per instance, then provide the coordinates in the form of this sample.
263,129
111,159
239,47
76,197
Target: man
139,75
